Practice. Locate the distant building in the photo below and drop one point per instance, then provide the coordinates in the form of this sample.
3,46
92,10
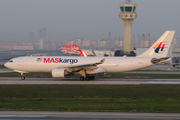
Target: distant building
48,45
16,46
42,33
44,44
93,43
41,44
70,42
147,43
86,43
119,43
102,43
78,41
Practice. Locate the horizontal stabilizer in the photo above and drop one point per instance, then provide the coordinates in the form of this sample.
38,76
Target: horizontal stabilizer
159,60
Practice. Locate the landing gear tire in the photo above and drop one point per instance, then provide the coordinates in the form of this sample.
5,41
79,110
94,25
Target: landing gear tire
87,78
92,78
81,78
22,78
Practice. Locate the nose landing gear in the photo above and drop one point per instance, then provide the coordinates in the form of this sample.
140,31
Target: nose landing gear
22,76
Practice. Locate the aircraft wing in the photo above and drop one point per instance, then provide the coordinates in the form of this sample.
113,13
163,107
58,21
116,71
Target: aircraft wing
158,60
88,67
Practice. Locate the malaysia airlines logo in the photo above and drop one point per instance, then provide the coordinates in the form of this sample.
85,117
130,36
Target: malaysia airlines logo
160,47
39,59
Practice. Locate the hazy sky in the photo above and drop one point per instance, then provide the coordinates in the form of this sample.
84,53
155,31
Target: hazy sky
88,19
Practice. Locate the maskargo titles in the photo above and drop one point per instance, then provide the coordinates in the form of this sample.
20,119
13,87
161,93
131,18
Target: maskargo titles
60,60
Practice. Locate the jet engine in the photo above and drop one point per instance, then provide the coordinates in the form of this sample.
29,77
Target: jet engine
57,72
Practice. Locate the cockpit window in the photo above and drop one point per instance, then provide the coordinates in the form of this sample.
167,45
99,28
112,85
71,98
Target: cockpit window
11,61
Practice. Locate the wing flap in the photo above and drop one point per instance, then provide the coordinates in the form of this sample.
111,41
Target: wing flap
97,70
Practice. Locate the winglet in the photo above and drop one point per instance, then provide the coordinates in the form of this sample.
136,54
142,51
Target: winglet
101,61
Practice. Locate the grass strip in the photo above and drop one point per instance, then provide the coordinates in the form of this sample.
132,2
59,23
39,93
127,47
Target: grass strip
2,66
122,98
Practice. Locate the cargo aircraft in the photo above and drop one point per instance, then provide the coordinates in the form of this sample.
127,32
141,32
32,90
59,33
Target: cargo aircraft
61,66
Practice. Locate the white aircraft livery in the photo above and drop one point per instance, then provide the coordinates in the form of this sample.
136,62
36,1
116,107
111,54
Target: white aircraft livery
61,66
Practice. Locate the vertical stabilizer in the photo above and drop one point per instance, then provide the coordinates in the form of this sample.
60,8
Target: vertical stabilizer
161,47
82,53
93,53
75,48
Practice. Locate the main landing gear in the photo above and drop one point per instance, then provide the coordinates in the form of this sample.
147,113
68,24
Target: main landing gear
22,76
87,78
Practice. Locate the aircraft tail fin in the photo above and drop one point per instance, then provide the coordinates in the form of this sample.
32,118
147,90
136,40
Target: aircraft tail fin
63,47
93,53
75,47
161,47
82,53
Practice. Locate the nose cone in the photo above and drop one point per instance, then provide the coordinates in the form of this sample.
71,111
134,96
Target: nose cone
6,65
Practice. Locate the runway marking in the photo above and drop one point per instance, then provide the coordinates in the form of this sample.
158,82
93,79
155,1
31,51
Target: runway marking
72,82
24,116
98,81
163,82
49,114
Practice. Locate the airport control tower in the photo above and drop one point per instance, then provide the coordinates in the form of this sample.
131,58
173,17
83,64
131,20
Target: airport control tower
127,14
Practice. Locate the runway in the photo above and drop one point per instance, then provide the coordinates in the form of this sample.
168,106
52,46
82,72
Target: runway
87,115
97,81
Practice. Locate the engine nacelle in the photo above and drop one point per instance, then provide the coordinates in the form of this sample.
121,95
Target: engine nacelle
56,72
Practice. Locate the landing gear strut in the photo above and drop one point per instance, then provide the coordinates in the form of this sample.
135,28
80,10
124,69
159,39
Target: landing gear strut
85,76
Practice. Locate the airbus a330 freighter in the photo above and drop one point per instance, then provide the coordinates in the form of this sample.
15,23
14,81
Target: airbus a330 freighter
61,66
